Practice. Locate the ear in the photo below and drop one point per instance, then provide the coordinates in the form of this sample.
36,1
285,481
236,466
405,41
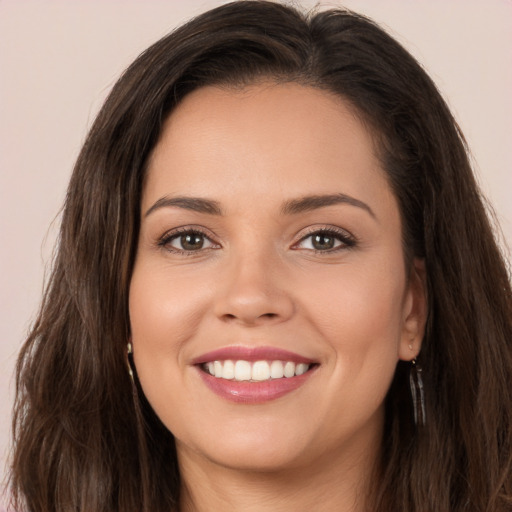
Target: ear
414,312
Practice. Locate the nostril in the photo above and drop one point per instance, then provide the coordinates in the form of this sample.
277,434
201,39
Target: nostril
256,319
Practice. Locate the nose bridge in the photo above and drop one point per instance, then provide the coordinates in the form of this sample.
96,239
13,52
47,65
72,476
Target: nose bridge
254,289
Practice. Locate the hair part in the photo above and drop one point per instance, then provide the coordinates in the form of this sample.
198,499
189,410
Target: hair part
86,439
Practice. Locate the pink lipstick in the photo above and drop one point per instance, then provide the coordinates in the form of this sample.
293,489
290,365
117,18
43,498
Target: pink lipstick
253,375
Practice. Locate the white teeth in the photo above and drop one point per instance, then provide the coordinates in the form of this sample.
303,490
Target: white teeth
277,370
301,368
217,368
242,370
289,369
228,370
257,371
260,370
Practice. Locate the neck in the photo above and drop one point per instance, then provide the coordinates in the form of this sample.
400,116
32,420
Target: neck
338,481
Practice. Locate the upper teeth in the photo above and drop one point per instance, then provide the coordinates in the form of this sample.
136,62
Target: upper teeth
257,371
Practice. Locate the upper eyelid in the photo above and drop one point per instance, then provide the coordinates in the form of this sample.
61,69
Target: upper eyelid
188,229
311,230
348,241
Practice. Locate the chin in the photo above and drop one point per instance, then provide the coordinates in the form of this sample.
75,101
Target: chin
267,460
257,449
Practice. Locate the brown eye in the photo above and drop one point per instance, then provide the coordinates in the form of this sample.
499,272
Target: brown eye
191,241
323,242
326,241
187,241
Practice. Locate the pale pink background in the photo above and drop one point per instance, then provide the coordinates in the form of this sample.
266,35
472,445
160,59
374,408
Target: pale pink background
59,59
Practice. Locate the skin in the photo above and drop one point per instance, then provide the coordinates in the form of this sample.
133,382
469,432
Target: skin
355,309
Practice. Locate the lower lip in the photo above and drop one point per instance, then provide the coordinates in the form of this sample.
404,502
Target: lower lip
254,392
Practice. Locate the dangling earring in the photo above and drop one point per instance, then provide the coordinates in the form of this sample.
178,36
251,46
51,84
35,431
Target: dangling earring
417,393
129,356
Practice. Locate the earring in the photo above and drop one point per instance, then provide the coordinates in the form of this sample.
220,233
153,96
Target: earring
417,393
129,356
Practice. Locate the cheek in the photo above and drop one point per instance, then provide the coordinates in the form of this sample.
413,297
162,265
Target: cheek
358,313
164,312
361,322
351,304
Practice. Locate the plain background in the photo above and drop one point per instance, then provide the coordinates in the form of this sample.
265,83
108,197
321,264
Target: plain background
59,59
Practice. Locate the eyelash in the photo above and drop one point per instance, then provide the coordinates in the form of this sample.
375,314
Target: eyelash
168,237
347,240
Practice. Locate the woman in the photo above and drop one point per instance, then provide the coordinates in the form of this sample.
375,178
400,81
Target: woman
276,288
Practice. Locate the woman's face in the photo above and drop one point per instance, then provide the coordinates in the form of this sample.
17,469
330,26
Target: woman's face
270,302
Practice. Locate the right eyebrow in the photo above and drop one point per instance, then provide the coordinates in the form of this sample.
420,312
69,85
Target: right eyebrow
196,204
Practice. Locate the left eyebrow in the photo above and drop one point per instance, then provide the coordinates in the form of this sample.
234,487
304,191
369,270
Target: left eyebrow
308,203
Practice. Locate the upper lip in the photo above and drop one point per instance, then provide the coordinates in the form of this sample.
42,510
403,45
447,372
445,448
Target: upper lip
240,352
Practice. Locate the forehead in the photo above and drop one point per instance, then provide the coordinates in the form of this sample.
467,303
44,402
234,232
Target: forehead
266,141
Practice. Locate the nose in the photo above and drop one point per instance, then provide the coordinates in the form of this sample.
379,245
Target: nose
254,292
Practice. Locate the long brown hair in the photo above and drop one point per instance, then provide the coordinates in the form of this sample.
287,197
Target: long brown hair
85,439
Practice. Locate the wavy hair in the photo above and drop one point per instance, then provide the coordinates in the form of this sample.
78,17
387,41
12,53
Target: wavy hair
85,438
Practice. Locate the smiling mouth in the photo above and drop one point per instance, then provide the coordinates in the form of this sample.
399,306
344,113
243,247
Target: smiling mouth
255,371
254,375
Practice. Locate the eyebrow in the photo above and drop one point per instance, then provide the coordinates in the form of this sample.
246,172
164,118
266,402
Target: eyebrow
196,204
309,203
291,207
